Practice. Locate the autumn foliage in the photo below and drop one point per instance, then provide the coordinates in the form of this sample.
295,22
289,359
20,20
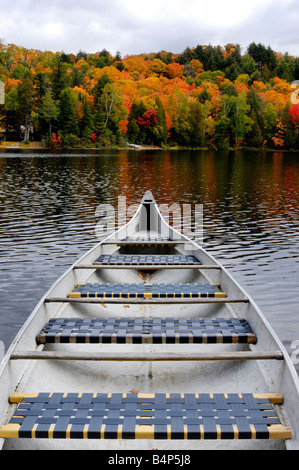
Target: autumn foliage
205,97
56,140
148,119
294,113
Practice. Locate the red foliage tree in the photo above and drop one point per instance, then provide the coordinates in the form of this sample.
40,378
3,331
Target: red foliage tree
149,118
56,140
294,113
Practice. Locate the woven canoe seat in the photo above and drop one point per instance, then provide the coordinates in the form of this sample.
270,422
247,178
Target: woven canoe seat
149,238
140,290
136,260
142,416
143,330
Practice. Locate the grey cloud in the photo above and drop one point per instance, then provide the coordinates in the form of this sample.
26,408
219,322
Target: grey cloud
275,26
92,25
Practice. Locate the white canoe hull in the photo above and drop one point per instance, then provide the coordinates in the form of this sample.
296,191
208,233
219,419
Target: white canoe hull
106,376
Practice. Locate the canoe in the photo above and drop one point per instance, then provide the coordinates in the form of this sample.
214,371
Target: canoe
147,342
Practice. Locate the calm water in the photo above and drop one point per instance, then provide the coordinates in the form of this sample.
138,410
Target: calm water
251,219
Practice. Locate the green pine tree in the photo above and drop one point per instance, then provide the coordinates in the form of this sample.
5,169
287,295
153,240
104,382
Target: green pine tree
86,124
48,111
67,114
159,131
254,138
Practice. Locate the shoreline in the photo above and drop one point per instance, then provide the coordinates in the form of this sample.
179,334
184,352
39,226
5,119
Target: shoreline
19,146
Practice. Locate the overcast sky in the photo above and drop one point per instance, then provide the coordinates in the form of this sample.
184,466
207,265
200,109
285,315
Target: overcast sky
136,26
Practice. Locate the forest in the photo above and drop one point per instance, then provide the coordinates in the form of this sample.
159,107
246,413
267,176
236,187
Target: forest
216,97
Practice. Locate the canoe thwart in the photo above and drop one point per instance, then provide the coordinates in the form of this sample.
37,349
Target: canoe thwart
146,262
95,356
140,330
149,290
146,267
145,416
146,242
146,300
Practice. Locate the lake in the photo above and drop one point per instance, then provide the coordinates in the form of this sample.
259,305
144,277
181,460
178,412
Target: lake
250,214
